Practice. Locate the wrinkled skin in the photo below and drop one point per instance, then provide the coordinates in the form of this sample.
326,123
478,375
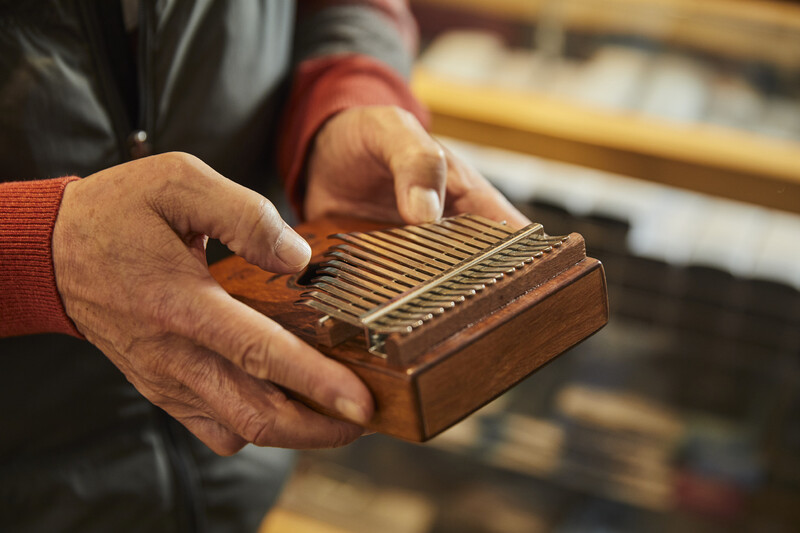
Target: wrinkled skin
129,257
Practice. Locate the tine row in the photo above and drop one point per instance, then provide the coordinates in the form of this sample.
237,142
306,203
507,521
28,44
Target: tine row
375,269
477,278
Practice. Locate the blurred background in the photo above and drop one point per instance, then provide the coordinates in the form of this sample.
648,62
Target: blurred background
667,132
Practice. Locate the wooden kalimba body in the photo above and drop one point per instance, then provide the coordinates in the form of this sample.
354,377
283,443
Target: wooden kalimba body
436,319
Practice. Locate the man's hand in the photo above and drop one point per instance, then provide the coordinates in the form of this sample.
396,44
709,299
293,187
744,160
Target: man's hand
379,163
129,256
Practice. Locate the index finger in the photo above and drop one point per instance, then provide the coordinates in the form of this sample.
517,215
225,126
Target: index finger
211,318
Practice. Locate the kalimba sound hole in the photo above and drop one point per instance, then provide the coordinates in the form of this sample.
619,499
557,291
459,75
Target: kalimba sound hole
307,276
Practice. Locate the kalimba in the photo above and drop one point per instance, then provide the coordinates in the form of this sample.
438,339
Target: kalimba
437,319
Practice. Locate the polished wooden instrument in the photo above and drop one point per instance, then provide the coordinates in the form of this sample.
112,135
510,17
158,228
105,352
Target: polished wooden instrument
436,319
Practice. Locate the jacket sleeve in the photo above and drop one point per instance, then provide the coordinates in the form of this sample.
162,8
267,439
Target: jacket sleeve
347,53
29,299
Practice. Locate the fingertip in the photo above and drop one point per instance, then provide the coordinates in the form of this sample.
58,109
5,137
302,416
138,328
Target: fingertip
424,205
353,410
292,250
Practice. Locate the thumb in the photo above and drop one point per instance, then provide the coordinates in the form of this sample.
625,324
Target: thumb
245,221
418,165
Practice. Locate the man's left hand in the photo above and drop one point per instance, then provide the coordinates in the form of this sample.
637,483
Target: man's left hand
380,163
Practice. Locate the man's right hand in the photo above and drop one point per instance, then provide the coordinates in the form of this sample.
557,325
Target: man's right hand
129,257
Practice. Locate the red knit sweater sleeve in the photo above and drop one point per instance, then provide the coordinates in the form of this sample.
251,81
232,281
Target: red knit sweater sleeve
29,300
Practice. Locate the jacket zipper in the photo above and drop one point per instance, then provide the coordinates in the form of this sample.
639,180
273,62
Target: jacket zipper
144,64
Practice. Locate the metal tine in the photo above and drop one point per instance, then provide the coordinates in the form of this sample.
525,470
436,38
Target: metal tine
521,253
386,293
420,263
540,247
412,273
438,242
433,245
399,314
463,225
543,246
342,305
548,240
443,304
433,301
470,286
396,317
488,268
456,292
519,257
388,330
332,311
510,259
380,290
407,245
442,298
461,236
483,221
493,232
413,311
496,266
456,286
441,239
341,285
403,255
390,321
392,326
529,245
451,301
537,255
485,279
510,263
402,328
492,269
348,297
386,273
374,287
333,267
551,238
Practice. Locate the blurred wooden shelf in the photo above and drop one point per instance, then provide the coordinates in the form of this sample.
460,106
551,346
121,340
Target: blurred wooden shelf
283,521
703,158
741,29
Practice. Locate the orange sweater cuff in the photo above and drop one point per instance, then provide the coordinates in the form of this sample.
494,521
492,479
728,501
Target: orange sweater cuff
29,299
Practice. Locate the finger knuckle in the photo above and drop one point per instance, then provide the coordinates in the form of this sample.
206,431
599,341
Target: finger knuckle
255,428
180,159
425,160
252,357
343,435
256,219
